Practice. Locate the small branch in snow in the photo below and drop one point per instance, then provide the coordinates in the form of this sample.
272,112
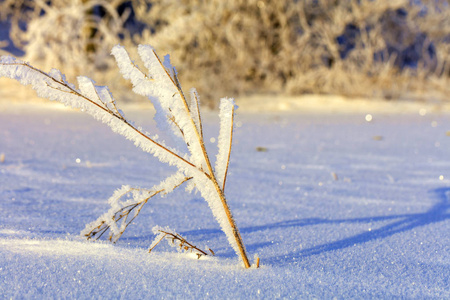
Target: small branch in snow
174,239
116,218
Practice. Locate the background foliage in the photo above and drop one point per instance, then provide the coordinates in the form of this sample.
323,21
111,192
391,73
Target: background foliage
358,48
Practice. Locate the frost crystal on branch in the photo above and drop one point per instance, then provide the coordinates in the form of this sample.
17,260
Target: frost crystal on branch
226,115
178,115
175,240
123,212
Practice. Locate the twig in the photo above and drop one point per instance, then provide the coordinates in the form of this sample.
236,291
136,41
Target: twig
74,92
229,150
183,244
163,236
124,212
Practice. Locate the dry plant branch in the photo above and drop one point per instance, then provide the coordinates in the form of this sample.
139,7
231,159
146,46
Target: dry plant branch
178,241
122,213
181,118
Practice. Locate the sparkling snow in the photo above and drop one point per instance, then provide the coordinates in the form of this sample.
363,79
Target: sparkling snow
334,205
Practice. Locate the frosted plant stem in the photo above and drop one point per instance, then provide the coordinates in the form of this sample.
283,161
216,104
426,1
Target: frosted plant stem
195,111
224,202
70,90
212,177
229,150
156,243
233,225
220,191
226,208
184,116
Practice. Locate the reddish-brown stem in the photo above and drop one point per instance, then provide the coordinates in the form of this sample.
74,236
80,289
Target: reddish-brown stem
212,176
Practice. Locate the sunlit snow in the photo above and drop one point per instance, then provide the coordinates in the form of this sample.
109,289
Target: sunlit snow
334,206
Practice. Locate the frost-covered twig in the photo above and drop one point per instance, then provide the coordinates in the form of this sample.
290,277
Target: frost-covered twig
175,114
225,139
54,87
177,241
121,214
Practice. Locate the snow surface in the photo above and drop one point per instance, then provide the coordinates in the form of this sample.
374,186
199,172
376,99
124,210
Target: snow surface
334,205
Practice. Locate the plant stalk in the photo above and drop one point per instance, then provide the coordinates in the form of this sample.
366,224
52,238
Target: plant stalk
233,225
226,208
212,177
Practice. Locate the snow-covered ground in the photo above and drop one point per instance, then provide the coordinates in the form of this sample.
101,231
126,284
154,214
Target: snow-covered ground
335,205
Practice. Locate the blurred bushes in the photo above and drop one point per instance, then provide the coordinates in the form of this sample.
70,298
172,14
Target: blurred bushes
358,48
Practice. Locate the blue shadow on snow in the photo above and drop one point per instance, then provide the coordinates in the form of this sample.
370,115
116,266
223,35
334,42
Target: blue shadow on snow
401,223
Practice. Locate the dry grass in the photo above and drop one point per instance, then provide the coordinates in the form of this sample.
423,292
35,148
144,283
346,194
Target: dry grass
352,48
356,48
66,34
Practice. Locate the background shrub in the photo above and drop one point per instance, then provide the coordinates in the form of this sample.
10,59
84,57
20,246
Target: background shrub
358,48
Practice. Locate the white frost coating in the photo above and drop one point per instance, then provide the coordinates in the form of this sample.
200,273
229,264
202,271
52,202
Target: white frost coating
49,87
107,217
190,186
56,74
169,68
227,107
144,85
87,88
160,87
127,196
119,193
194,106
128,69
165,91
170,183
165,124
210,194
183,117
157,70
159,236
173,103
100,94
158,228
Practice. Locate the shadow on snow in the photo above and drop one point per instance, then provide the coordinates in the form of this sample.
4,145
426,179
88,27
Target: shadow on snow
400,223
397,224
